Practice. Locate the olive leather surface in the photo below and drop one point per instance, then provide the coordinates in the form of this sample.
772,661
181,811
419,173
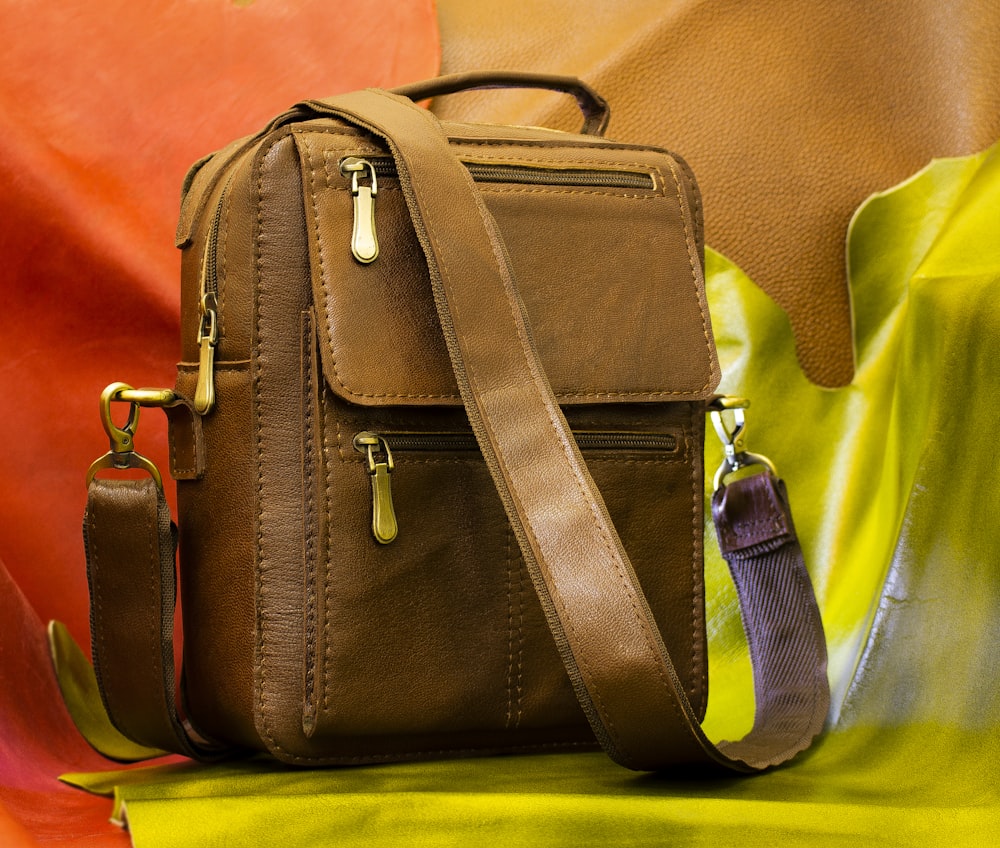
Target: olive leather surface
790,112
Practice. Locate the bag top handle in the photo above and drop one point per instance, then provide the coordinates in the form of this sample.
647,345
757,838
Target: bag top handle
595,109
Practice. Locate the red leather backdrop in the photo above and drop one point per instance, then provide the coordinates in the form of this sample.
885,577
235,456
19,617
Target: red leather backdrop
103,106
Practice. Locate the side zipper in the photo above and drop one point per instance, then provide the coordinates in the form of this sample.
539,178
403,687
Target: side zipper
364,175
208,326
376,447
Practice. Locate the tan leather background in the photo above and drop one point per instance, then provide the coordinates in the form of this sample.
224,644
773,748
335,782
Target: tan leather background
791,112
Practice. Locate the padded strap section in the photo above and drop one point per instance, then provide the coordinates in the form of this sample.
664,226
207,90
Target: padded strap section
130,544
621,671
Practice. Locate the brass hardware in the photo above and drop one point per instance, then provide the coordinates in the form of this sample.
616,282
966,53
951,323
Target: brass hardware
208,325
148,397
208,338
364,240
122,454
734,439
380,465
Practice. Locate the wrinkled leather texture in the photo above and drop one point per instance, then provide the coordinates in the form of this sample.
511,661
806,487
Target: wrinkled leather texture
104,105
790,114
890,502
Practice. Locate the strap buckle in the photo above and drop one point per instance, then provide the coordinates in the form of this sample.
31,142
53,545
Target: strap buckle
122,454
733,439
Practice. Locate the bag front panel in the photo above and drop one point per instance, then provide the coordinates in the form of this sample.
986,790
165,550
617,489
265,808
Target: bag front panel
440,632
436,640
354,650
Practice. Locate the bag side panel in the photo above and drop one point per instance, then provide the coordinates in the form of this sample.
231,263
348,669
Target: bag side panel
217,539
282,295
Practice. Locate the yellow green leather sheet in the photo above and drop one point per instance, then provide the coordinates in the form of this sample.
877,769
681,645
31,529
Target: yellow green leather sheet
894,485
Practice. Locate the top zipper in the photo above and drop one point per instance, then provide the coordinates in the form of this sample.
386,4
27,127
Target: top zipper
365,173
532,174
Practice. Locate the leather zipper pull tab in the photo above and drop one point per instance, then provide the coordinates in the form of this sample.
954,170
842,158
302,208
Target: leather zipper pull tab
380,465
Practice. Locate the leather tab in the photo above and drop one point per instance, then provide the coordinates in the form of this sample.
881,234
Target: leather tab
751,511
187,443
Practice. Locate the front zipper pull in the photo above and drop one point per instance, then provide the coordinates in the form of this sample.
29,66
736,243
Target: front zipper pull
364,241
380,465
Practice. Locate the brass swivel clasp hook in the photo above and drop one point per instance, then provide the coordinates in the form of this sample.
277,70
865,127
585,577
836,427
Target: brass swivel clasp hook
733,438
123,454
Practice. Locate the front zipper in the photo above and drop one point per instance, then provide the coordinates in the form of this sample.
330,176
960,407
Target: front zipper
365,173
380,466
585,440
379,455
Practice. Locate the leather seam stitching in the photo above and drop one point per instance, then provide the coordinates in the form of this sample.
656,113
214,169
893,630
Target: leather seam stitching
688,239
697,531
151,532
328,569
309,507
411,755
510,626
525,342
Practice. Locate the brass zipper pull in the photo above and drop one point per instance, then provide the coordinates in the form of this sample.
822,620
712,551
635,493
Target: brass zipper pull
208,338
208,324
380,465
364,240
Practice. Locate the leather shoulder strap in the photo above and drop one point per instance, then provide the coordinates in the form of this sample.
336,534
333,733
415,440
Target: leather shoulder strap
626,685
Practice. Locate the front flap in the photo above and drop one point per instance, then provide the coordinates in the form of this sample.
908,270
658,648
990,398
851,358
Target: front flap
602,242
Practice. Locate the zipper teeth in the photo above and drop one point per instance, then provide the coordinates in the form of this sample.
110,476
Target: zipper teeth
211,281
211,263
529,175
586,440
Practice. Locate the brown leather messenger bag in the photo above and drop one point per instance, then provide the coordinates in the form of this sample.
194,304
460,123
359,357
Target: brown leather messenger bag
426,368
